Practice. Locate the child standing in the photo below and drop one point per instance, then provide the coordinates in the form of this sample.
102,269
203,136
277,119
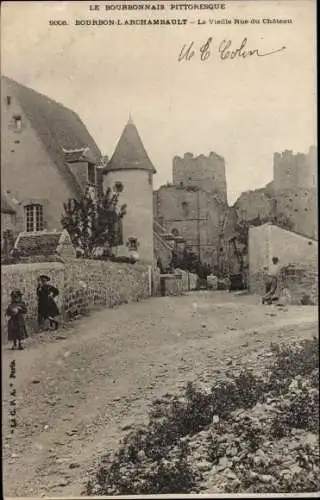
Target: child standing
16,324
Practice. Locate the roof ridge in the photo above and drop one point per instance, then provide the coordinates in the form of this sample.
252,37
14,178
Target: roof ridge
30,89
56,126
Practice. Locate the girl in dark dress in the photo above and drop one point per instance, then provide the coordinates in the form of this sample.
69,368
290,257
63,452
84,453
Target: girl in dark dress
16,324
47,307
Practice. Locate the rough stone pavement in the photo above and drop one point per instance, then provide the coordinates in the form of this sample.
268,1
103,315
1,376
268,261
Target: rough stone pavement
78,388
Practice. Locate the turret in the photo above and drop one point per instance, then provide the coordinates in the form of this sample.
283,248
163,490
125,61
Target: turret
131,166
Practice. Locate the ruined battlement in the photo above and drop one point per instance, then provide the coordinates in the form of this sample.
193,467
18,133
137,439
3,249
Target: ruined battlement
295,170
205,172
190,156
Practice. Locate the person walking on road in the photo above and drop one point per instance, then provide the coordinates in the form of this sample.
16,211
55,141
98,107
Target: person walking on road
47,307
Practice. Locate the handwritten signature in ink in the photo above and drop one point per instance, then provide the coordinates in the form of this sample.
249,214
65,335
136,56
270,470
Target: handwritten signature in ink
226,49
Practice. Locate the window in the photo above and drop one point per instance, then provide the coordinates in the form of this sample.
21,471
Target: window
185,209
91,173
118,187
132,244
150,179
17,123
8,100
34,218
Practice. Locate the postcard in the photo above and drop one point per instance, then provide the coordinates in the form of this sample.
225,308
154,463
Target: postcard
159,248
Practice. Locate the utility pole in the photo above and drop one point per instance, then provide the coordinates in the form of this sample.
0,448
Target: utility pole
198,226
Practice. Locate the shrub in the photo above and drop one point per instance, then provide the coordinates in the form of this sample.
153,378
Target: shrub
156,458
131,473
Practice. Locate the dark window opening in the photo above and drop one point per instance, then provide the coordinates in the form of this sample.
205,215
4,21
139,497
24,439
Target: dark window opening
132,244
34,218
118,187
310,243
150,179
181,183
8,100
185,208
17,123
91,173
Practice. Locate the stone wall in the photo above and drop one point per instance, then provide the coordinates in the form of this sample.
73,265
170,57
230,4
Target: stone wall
189,280
298,258
299,206
302,283
291,197
253,204
82,285
24,277
195,215
205,172
295,170
171,284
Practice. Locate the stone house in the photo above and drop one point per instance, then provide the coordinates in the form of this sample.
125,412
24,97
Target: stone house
47,156
298,258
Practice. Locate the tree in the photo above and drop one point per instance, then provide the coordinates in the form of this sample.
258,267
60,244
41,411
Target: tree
185,260
94,223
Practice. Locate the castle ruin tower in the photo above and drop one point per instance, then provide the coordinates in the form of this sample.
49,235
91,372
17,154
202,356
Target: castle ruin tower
131,166
204,172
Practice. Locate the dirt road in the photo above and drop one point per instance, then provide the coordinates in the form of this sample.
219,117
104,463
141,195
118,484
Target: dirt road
77,389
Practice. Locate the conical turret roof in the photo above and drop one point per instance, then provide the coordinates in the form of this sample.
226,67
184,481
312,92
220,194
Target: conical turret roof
130,153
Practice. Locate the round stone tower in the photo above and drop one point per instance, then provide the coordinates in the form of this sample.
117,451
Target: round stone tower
131,166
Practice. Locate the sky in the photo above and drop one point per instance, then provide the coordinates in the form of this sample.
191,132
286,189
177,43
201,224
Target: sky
243,109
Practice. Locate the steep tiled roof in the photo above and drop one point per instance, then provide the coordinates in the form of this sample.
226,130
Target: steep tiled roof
57,127
130,153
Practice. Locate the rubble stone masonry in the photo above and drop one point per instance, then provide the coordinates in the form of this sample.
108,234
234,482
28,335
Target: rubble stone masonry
298,260
205,172
193,214
82,285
